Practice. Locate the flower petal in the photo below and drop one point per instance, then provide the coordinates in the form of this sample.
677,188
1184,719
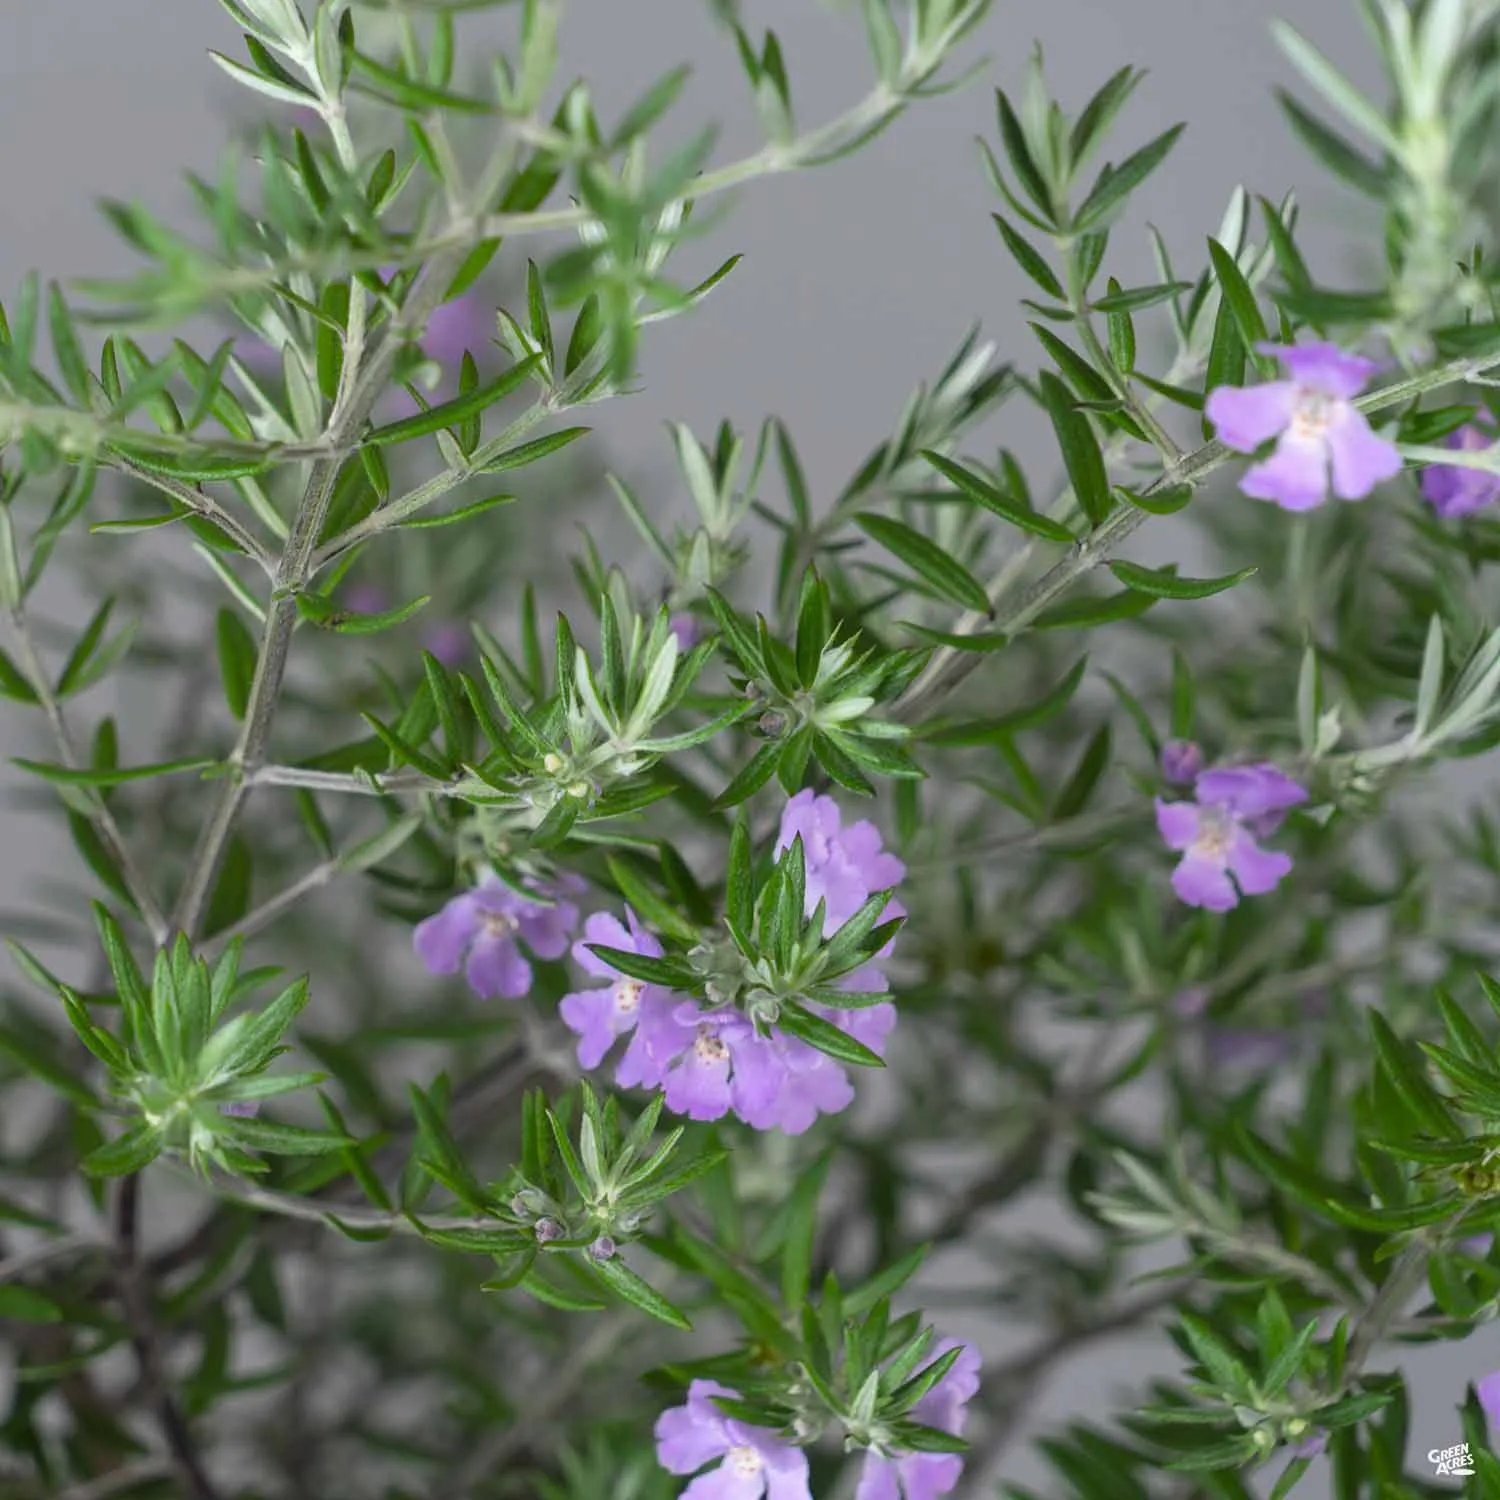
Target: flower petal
443,939
724,1484
1249,791
1324,367
1295,477
685,1442
591,1015
877,1480
1177,823
1244,417
608,931
1255,869
1359,459
547,929
496,967
698,1086
1204,882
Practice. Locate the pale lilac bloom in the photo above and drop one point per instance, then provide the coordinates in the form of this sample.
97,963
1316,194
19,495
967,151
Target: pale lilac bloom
1321,435
687,628
481,932
1181,761
1477,1245
241,1109
845,866
710,1062
923,1476
1487,1388
449,642
1216,834
599,1017
754,1462
1310,1446
1453,491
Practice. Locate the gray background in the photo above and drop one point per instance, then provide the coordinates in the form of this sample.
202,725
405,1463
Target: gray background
858,280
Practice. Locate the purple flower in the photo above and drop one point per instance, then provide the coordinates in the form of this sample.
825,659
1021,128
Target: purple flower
1311,1446
1487,1388
1453,491
481,932
755,1463
460,326
241,1109
687,628
1320,431
922,1476
1477,1246
710,1062
1181,761
600,1017
1216,834
449,641
845,866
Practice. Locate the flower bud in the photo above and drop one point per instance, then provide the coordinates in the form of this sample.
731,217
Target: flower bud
548,1230
602,1249
1181,761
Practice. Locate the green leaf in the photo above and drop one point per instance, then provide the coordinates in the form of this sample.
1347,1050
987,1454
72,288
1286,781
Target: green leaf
645,901
237,657
1333,86
983,731
13,683
925,558
800,1231
1029,260
82,776
985,494
323,611
1115,184
285,1140
1079,787
1226,355
1238,295
1158,502
1350,165
84,667
1163,583
826,1037
668,973
1083,614
272,88
1133,299
629,1287
529,453
137,1148
452,413
1013,138
21,1304
1080,450
1410,1083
